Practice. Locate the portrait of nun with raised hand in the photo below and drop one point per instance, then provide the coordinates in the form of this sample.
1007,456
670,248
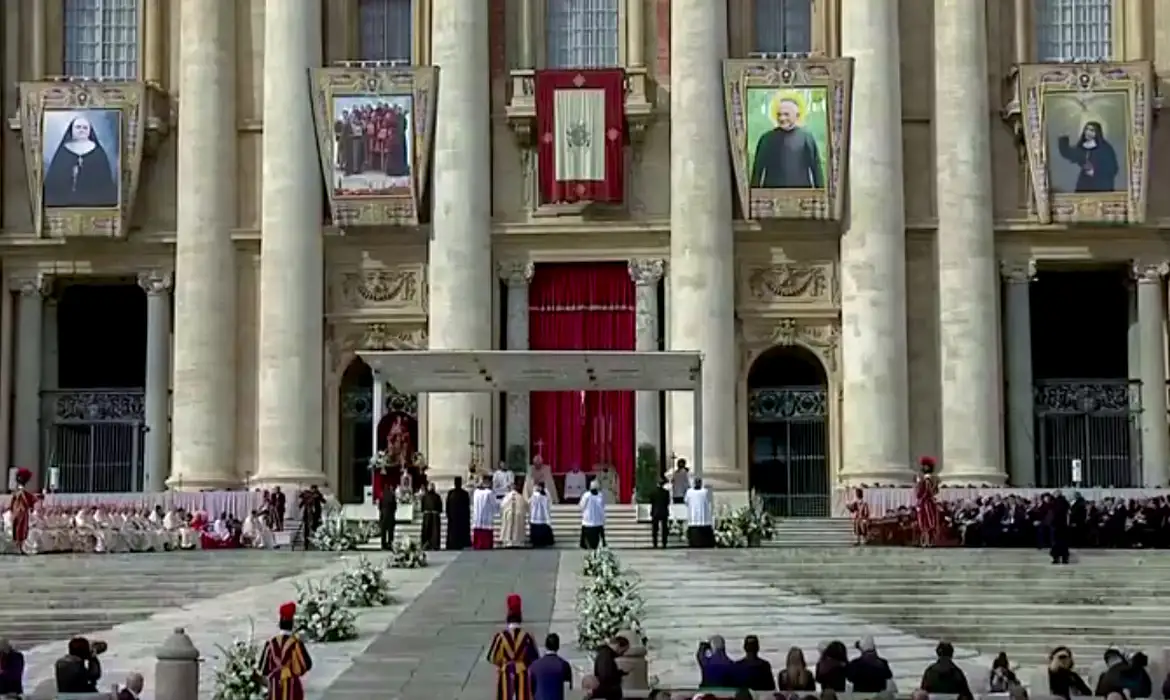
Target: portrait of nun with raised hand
81,158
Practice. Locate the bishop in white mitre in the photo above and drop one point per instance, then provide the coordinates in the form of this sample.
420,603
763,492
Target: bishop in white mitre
700,516
483,515
514,518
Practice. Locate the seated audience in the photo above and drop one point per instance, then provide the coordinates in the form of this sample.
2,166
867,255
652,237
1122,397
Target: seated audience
133,687
1063,681
11,670
716,668
753,672
1002,678
795,676
944,677
831,667
869,672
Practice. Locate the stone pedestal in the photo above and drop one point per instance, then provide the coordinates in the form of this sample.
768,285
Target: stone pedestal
1152,360
26,417
157,402
646,274
1017,336
517,275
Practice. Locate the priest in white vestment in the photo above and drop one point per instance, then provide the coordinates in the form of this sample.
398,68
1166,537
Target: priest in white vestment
513,518
502,481
541,474
576,483
540,518
483,516
592,518
700,516
680,481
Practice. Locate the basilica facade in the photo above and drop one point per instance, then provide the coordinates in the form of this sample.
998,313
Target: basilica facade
891,228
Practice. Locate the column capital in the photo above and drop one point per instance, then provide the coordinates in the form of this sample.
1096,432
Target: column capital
647,271
1018,271
1146,271
516,273
155,282
37,284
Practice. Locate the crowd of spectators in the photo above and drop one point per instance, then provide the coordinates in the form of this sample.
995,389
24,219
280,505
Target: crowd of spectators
79,671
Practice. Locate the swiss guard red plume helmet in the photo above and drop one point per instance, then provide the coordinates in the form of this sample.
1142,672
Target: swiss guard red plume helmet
23,476
927,463
514,605
288,611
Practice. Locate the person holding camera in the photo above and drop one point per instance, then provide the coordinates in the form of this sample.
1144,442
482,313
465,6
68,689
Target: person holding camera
79,671
716,668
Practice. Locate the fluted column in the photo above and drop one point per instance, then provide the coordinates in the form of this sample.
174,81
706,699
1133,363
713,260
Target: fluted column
646,275
26,433
1152,360
1017,338
702,248
157,452
292,261
517,275
875,410
526,34
203,449
460,275
968,275
636,33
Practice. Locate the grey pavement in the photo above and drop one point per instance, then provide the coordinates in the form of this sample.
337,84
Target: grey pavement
436,648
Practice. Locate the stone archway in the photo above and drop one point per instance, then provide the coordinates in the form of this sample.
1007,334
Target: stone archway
788,431
356,430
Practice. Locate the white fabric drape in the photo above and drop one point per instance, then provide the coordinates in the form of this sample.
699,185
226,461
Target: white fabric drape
1074,30
782,26
101,38
579,121
385,30
582,34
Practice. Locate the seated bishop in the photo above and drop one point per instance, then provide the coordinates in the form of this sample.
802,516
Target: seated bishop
541,473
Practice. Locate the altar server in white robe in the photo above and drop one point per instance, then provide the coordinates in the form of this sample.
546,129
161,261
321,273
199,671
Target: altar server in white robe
513,518
700,516
540,519
502,481
576,484
483,516
592,518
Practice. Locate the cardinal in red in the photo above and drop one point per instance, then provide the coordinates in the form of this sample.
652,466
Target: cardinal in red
285,659
22,503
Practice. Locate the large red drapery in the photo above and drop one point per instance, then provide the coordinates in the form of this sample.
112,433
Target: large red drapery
587,306
611,187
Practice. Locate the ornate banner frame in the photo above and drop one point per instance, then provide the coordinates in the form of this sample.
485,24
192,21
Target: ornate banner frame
835,77
420,85
1085,82
129,99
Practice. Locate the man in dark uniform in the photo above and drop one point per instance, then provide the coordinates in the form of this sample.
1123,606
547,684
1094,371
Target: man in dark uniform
387,516
1057,521
660,514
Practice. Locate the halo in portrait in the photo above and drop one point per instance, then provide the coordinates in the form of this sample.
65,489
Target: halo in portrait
783,96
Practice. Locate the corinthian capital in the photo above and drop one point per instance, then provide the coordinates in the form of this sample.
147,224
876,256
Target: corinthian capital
1146,271
37,284
647,271
516,273
156,282
1018,271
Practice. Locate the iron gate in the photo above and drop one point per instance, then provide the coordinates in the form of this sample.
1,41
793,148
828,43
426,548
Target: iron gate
1097,422
357,434
94,439
788,439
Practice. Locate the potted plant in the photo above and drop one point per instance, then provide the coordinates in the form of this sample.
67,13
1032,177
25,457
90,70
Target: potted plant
647,478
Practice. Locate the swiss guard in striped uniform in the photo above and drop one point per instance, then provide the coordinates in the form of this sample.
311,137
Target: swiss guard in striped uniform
512,652
285,660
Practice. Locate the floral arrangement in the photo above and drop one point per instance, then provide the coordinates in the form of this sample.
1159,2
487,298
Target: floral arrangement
406,553
747,526
608,601
238,677
322,615
405,496
336,534
362,586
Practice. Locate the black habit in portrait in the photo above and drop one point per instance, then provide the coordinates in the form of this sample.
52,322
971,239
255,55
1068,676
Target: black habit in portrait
1096,158
787,157
80,174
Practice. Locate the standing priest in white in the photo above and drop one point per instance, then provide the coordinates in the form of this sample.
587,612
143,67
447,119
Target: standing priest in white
513,514
700,516
592,518
483,516
539,518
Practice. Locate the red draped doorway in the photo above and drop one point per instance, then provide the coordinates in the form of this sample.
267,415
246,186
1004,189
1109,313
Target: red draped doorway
583,306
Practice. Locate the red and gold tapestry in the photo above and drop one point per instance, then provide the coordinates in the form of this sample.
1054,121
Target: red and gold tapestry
580,121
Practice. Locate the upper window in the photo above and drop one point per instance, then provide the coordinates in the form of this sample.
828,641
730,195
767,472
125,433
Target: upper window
1074,30
582,34
782,26
101,39
385,30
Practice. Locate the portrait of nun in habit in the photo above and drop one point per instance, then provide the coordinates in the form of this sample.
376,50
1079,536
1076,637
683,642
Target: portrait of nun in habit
82,169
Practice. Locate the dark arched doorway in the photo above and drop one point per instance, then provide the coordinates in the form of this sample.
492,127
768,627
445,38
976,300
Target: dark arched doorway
788,432
356,437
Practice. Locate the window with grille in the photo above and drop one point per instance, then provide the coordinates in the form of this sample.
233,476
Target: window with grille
582,33
101,39
782,26
1074,30
386,29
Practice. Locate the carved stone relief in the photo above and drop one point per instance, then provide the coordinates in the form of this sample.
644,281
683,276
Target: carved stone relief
820,336
394,288
785,283
345,340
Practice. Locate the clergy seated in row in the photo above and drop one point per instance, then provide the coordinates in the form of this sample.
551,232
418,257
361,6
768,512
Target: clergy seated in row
102,529
255,532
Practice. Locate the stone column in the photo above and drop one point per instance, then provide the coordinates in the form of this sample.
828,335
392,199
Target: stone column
875,410
968,281
702,248
203,451
460,274
26,419
1151,316
526,35
647,414
636,34
290,404
157,403
517,275
1017,338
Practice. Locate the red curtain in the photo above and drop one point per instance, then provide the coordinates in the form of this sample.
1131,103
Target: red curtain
588,306
610,190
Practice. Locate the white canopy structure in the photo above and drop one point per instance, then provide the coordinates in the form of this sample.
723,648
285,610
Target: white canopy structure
496,371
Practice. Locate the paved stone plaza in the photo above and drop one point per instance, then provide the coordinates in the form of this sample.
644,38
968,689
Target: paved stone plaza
432,642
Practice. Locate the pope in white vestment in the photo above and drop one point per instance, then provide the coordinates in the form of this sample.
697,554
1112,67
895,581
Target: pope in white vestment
700,516
576,483
483,517
513,514
592,518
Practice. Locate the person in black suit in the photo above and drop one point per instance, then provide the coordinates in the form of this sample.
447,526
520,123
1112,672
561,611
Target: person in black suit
11,670
79,670
1056,519
660,514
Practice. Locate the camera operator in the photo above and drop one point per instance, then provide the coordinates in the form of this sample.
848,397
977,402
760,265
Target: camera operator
79,671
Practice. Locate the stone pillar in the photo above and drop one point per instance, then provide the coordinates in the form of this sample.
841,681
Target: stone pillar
203,451
460,274
517,275
875,408
50,346
968,278
648,416
26,419
1151,316
636,34
290,404
702,247
526,35
157,403
1017,337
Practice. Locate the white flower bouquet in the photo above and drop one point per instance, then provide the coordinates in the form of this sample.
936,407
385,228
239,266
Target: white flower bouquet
238,675
405,496
608,601
322,615
748,526
406,553
336,534
362,586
